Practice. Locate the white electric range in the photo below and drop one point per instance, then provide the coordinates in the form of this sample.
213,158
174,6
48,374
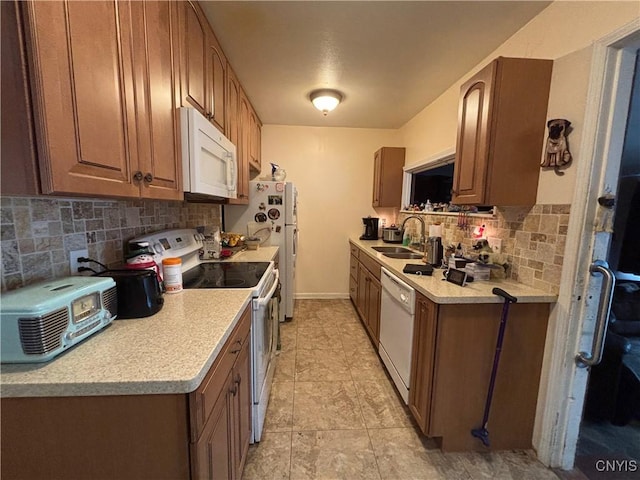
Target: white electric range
263,280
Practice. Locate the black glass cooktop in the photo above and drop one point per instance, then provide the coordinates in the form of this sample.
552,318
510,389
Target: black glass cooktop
225,275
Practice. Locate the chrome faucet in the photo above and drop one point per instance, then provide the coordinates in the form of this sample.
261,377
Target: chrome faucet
423,243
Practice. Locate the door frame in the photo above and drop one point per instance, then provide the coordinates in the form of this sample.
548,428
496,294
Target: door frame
562,392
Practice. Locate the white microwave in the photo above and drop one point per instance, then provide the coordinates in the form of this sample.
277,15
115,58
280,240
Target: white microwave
209,159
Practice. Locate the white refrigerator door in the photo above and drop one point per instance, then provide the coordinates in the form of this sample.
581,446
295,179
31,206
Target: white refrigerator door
291,204
291,252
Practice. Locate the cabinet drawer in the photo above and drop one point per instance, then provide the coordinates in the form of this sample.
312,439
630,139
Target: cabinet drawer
355,251
353,267
371,265
353,288
203,399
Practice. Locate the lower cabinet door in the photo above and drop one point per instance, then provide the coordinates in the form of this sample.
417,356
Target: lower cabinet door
373,301
242,407
211,455
422,361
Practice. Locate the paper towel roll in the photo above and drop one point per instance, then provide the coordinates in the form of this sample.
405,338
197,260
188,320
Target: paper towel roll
435,230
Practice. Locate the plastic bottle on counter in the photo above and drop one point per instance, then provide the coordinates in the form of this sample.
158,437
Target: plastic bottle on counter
406,239
172,270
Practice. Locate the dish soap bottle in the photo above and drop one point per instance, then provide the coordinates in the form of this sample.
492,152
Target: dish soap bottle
406,238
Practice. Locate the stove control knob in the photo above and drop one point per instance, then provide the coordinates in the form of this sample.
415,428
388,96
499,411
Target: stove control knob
158,248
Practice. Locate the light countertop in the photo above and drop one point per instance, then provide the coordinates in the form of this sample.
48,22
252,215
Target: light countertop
169,352
440,291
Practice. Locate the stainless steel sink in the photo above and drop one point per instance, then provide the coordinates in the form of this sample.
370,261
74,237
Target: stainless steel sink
406,255
392,250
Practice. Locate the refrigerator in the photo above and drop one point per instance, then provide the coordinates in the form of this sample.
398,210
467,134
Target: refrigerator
272,215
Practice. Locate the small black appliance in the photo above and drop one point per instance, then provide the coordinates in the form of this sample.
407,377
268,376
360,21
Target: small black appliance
138,291
370,228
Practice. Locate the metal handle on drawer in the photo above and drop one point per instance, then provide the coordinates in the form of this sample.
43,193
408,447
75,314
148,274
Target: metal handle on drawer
586,359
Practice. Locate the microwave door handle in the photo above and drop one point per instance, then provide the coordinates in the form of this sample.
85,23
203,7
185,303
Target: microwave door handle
232,177
262,301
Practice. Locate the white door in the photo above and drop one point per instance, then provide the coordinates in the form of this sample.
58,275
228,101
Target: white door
561,402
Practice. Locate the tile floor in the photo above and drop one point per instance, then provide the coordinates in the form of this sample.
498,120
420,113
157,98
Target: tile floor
334,414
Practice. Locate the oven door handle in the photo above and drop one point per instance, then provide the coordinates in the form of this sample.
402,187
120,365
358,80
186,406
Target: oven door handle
262,301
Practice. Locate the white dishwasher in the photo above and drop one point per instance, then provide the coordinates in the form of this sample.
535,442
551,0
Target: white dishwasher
397,311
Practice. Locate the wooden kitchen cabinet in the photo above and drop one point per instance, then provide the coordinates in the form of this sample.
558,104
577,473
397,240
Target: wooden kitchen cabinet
204,66
367,291
235,113
422,358
501,124
221,410
255,133
20,175
155,65
452,356
198,435
387,177
103,126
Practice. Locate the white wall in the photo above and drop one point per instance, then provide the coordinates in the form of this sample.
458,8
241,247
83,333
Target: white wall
562,28
333,170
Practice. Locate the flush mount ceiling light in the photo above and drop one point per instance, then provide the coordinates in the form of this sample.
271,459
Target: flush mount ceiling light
325,100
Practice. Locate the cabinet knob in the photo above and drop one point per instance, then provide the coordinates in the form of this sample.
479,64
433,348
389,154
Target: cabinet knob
238,379
137,176
233,390
148,178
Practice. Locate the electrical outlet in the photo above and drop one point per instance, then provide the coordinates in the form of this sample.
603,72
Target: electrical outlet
74,255
384,222
495,244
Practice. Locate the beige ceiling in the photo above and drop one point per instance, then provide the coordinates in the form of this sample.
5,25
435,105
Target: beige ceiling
390,59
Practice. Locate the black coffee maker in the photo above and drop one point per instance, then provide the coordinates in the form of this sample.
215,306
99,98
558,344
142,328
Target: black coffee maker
370,228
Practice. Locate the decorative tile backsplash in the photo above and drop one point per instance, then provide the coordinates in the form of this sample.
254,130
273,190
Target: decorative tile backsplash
533,239
38,233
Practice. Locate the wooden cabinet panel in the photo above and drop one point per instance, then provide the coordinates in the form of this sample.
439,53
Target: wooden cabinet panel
353,288
373,309
101,437
106,125
211,455
20,175
365,291
242,406
156,57
363,280
460,381
234,133
216,79
85,127
501,123
422,358
387,177
194,35
472,148
254,140
353,267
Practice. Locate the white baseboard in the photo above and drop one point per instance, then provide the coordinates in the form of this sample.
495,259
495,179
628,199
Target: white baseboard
323,296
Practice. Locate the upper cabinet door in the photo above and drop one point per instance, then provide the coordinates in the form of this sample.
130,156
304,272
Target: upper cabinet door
234,134
217,67
156,66
473,137
194,33
82,90
155,60
501,124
